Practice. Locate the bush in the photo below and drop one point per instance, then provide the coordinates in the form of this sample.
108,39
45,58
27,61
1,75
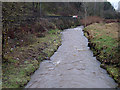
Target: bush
91,19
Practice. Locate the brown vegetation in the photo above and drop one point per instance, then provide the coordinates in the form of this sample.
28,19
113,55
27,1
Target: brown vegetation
96,19
91,19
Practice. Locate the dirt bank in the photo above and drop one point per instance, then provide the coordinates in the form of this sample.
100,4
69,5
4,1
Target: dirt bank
25,60
104,41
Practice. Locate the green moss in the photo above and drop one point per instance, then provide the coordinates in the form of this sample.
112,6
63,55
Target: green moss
18,76
106,44
114,72
52,31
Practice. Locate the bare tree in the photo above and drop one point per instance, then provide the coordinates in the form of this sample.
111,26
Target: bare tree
119,6
85,10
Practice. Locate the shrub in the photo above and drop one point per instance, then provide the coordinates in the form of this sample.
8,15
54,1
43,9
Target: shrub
91,19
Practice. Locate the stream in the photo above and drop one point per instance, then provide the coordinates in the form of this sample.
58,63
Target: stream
72,66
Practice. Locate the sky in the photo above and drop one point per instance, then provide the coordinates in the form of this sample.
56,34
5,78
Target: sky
114,3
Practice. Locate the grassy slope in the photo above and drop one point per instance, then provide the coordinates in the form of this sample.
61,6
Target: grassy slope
25,60
104,41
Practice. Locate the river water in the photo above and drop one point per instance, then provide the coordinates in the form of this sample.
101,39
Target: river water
72,66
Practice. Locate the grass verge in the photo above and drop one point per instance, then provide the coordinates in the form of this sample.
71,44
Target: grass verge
23,61
104,41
